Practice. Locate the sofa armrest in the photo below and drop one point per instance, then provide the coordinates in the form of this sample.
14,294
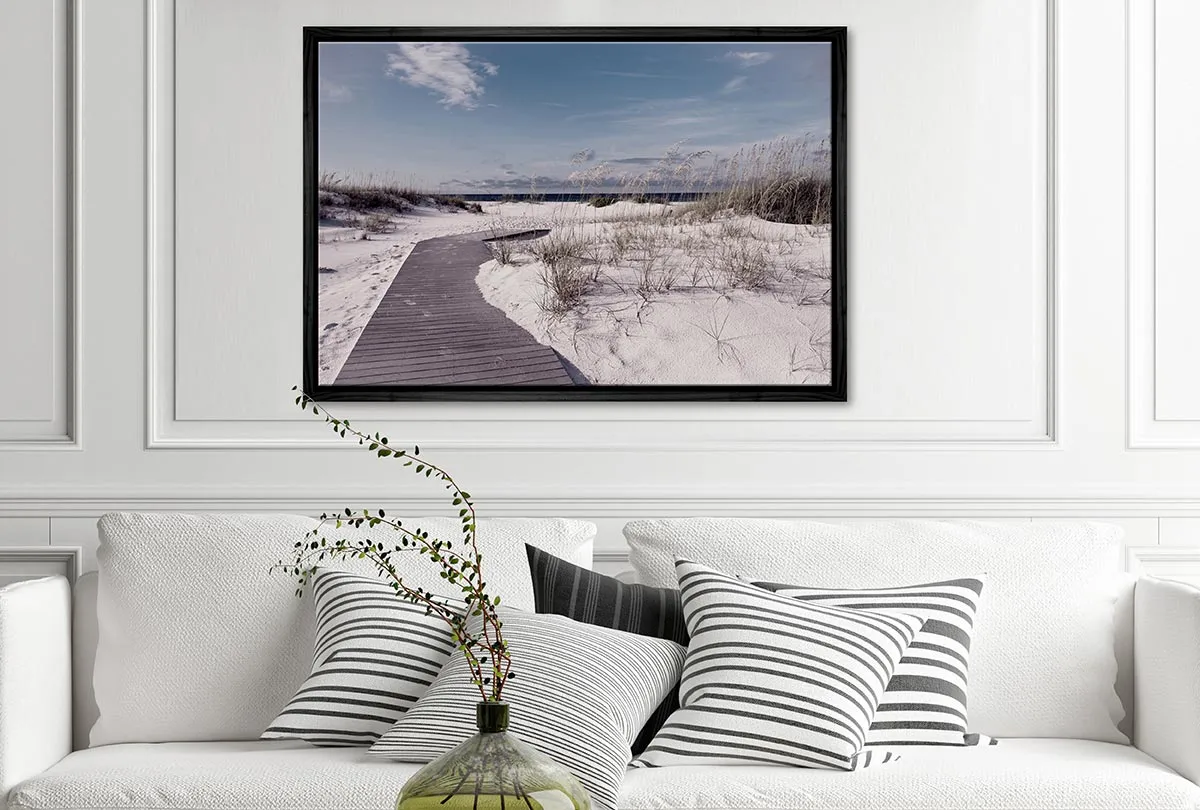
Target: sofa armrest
35,678
1166,673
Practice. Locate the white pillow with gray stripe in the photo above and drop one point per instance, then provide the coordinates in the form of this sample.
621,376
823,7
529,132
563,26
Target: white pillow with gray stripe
375,654
580,696
925,702
775,680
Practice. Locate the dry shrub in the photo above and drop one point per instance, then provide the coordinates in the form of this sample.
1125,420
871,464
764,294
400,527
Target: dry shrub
564,287
378,223
502,250
743,264
564,280
558,249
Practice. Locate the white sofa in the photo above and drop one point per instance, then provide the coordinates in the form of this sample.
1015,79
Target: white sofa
45,669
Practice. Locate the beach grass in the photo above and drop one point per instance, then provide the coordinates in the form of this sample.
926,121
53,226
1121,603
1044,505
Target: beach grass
785,180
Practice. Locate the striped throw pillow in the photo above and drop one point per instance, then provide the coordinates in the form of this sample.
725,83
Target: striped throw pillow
589,596
580,696
926,700
774,680
375,654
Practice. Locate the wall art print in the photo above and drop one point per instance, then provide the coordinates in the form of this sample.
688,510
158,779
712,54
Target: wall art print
553,213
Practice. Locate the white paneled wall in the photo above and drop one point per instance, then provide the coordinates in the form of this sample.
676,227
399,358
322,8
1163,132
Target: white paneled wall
1021,282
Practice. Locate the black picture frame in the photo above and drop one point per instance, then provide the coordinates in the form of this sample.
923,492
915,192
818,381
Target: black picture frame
834,391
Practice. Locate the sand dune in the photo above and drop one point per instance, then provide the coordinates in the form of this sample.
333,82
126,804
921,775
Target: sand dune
628,293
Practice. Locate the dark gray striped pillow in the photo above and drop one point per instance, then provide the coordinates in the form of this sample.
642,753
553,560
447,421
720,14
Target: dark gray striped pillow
926,699
580,697
375,654
587,596
775,680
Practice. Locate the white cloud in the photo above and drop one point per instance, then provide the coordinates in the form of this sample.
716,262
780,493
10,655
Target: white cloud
446,69
332,91
749,58
734,84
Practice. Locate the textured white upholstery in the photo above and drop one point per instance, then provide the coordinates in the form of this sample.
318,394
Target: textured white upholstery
1167,673
251,775
199,640
1018,773
1042,657
35,678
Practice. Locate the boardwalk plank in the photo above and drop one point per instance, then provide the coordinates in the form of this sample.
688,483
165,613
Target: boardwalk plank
433,327
442,359
458,364
548,376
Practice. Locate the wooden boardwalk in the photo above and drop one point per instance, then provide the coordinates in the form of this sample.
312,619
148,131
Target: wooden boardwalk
433,327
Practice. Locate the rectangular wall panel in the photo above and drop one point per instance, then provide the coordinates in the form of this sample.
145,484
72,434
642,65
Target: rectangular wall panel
34,306
966,121
1177,178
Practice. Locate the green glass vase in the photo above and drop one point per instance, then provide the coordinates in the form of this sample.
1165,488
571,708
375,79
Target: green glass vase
493,770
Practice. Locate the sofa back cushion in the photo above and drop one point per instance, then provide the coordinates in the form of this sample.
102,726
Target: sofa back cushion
199,640
1042,660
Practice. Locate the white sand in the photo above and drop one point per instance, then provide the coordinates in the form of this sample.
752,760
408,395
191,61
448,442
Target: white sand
667,308
670,312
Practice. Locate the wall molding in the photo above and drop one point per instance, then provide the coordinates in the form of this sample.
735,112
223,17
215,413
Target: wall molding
67,61
451,425
1144,430
18,560
1164,562
590,502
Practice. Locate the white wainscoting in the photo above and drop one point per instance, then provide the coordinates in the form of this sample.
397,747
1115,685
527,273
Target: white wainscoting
1168,548
1160,546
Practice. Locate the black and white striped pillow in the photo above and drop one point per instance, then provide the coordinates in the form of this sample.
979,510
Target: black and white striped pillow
926,700
775,680
589,596
580,696
375,654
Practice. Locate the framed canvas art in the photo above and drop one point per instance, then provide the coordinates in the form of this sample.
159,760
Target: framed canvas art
575,213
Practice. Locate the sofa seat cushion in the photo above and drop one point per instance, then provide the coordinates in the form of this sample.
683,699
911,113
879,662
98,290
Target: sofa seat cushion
1024,773
1019,773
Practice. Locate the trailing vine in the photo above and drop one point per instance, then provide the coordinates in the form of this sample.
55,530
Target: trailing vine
472,618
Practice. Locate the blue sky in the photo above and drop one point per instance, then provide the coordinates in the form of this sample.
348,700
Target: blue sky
491,116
